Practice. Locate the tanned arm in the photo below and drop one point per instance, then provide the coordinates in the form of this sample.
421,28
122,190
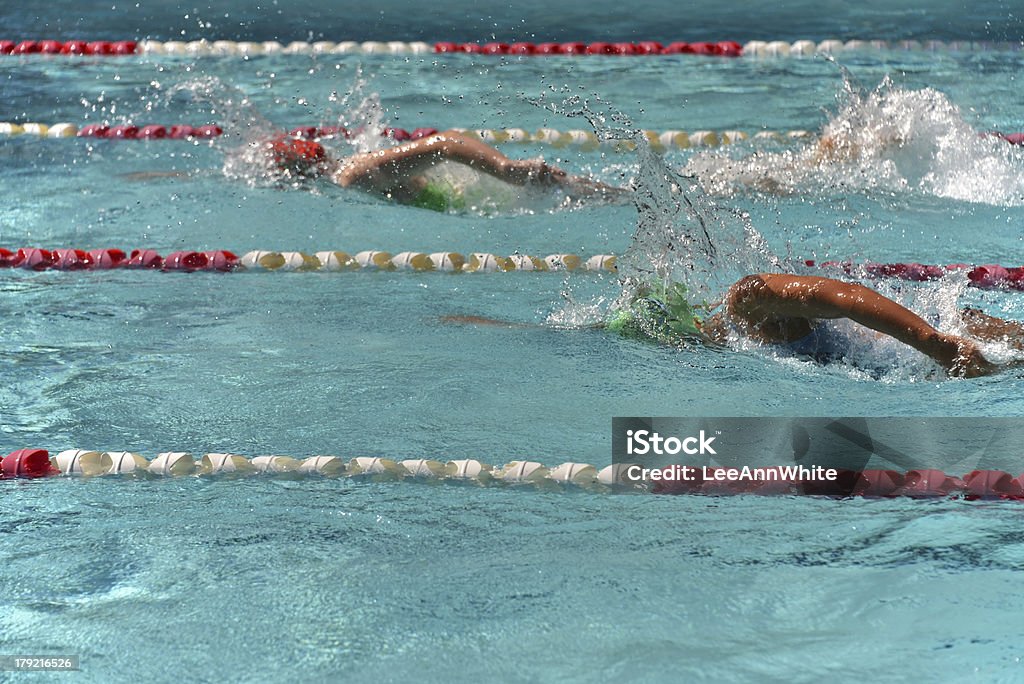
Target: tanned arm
403,160
773,306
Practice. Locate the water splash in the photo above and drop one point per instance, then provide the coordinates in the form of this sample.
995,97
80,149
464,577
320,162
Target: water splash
229,105
682,236
889,139
359,111
247,130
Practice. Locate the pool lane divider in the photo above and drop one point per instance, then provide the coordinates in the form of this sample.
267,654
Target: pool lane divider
34,463
585,140
986,277
710,480
37,259
647,48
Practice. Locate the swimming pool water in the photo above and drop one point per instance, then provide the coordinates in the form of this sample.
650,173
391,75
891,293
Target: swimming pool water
275,580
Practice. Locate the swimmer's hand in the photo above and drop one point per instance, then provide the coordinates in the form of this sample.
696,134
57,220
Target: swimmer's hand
539,172
586,188
968,361
533,172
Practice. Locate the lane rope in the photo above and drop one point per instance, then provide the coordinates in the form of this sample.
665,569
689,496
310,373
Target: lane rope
245,49
37,259
712,480
585,140
986,277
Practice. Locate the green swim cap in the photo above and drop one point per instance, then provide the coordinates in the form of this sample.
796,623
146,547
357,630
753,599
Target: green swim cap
660,312
441,197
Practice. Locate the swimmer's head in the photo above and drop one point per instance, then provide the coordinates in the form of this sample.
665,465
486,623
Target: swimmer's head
298,157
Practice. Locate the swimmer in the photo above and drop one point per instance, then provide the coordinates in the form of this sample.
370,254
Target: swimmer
781,174
888,138
787,310
400,173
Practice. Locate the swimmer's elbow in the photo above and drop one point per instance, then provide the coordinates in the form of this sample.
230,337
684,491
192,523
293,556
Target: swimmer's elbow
746,294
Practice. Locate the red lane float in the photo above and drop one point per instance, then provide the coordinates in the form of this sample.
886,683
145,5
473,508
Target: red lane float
27,463
71,260
35,259
422,133
180,132
149,132
75,47
107,258
26,47
144,258
184,132
126,131
208,131
70,47
725,48
93,131
152,132
921,483
220,260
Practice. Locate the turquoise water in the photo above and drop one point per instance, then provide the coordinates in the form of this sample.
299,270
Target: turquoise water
272,580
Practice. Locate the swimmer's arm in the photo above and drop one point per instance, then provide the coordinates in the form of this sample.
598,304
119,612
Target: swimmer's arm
408,158
479,320
153,175
496,322
766,297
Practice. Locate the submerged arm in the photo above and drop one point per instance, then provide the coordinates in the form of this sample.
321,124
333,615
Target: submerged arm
773,302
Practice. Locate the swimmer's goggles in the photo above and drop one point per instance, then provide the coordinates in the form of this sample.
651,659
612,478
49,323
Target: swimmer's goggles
658,312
